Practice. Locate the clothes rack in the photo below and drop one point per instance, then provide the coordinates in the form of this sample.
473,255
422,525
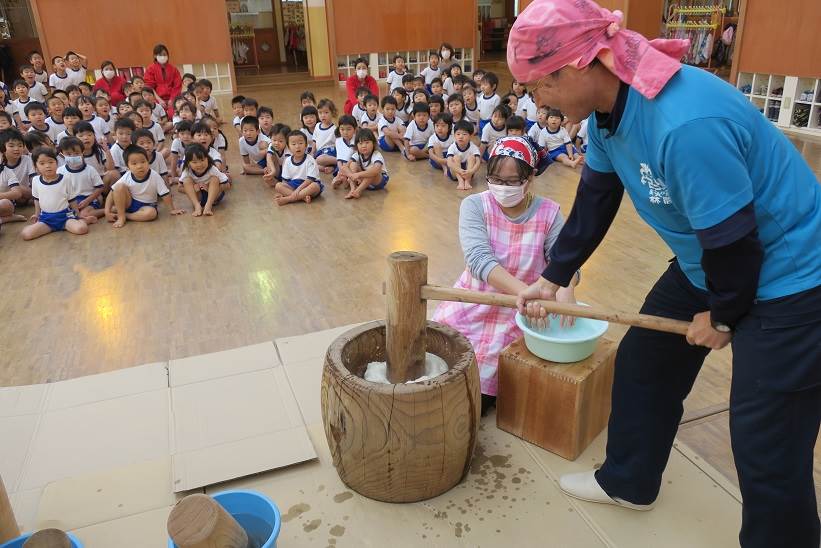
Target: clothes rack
244,48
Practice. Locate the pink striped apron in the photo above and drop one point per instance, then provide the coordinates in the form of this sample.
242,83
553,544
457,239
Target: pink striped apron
519,248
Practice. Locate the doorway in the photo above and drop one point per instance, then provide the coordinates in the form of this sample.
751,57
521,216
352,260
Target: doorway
294,36
18,38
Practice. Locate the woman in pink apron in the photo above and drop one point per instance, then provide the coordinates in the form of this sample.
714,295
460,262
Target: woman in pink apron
506,234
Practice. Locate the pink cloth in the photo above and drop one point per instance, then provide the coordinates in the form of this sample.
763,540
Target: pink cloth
552,34
519,248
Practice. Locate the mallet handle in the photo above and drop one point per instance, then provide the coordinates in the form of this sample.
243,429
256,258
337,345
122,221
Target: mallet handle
656,323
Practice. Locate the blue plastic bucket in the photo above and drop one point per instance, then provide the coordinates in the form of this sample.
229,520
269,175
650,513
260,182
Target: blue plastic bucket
19,541
257,514
560,344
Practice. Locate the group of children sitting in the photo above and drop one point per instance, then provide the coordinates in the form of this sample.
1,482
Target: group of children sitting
79,160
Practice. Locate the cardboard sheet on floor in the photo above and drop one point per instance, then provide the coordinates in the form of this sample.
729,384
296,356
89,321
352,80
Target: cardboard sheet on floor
230,427
107,386
312,345
222,364
146,530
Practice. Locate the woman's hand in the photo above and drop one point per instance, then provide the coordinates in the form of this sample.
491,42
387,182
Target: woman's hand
540,289
566,295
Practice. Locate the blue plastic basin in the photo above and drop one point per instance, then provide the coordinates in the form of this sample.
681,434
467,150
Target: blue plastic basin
563,344
257,514
19,541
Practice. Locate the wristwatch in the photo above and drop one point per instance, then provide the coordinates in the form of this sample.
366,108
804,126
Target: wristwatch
721,327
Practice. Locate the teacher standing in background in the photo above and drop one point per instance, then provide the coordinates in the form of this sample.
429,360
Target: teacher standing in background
741,210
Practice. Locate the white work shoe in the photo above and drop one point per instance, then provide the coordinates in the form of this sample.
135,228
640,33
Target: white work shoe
584,486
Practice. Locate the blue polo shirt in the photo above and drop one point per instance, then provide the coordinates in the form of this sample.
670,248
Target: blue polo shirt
699,152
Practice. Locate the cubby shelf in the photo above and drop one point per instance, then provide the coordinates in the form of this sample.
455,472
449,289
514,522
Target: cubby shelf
381,63
788,101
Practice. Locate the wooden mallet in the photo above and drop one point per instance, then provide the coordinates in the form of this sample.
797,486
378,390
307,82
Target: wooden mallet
48,538
407,293
198,521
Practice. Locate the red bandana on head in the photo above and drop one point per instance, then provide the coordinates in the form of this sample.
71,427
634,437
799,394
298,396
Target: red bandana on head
515,147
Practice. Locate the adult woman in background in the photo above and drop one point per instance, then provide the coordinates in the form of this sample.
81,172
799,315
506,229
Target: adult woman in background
164,78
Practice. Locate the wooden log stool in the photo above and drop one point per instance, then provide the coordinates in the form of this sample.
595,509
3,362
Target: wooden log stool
559,407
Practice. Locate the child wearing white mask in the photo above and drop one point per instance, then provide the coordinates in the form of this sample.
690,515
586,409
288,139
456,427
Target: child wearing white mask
506,234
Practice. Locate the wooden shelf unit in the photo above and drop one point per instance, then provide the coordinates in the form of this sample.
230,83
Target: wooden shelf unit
380,64
790,102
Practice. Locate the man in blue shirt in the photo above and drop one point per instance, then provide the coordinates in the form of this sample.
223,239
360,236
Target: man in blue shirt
740,209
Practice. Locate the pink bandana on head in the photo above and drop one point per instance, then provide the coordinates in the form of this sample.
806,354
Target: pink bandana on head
552,34
515,147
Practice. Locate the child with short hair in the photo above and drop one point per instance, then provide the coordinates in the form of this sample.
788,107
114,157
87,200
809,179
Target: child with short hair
511,101
253,147
456,107
6,121
478,74
494,130
71,117
418,132
73,93
307,99
134,197
201,180
407,83
37,91
266,121
459,82
437,89
144,139
9,195
54,199
367,166
95,155
359,107
158,113
432,70
452,73
345,147
36,139
236,107
188,82
205,102
249,106
525,107
181,141
440,142
324,137
370,120
277,151
39,65
403,104
390,127
85,89
300,175
463,156
515,126
394,79
419,96
15,159
36,113
436,105
557,141
471,104
135,117
123,130
138,84
59,78
86,107
19,104
488,100
76,64
123,109
85,180
144,109
309,118
187,111
535,130
419,83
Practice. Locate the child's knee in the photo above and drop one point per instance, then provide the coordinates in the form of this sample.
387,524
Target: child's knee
6,207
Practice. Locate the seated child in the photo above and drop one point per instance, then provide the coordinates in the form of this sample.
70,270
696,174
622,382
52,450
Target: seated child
488,99
266,121
300,175
73,94
36,139
9,194
463,156
432,70
37,90
436,88
145,140
236,107
36,113
54,199
419,96
55,118
202,134
403,104
123,129
471,105
440,142
557,141
525,106
59,78
253,146
16,161
370,120
394,79
437,106
407,83
201,180
188,81
367,166
453,73
309,119
158,113
85,89
86,106
494,130
83,178
6,121
19,105
205,102
359,108
478,74
178,145
307,99
390,127
456,107
145,110
102,107
324,137
249,107
134,197
418,132
98,157
515,126
277,151
345,147
581,137
535,130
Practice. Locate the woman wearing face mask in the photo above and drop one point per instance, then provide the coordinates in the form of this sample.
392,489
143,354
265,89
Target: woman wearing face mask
506,234
446,56
111,82
164,79
357,80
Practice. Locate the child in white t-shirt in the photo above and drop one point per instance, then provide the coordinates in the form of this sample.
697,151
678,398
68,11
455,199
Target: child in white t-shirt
145,140
300,174
440,141
277,152
76,68
418,133
203,183
488,99
54,199
134,197
253,146
309,119
86,106
463,156
59,78
370,120
471,104
535,130
17,164
324,137
557,141
367,166
581,137
432,70
394,79
345,148
206,103
86,182
390,127
37,90
39,66
9,194
494,130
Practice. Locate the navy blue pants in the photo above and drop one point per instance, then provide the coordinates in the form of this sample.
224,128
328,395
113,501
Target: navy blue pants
775,408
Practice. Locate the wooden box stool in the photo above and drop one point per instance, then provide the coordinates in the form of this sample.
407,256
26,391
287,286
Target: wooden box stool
559,407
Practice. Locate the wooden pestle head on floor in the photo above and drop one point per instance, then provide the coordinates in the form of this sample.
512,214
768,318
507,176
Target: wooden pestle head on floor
198,521
48,538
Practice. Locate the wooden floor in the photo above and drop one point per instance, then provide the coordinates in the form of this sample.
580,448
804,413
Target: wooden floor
180,286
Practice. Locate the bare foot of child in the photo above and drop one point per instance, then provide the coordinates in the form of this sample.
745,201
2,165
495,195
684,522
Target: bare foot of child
119,223
197,211
110,217
17,219
282,200
207,211
90,219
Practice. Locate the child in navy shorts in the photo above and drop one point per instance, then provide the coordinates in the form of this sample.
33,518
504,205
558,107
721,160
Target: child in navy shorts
55,199
201,180
300,174
84,179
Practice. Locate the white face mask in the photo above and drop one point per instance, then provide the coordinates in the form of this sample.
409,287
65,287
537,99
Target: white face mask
361,73
108,74
74,161
507,196
445,54
162,59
